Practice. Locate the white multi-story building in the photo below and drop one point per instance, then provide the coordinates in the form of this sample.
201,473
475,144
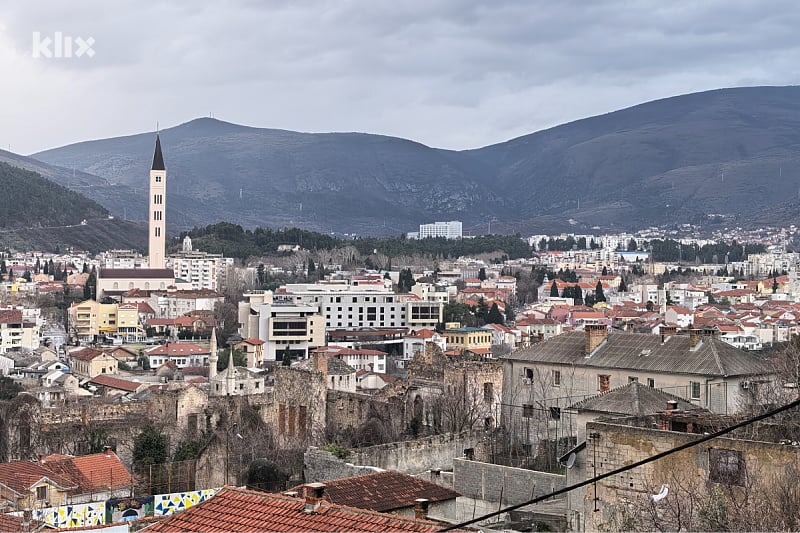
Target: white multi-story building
203,270
281,325
363,306
448,230
124,259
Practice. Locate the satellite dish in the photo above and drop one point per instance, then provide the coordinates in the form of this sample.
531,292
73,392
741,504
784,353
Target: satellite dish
571,460
662,494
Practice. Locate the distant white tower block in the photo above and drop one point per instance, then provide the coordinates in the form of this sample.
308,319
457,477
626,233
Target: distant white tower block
158,206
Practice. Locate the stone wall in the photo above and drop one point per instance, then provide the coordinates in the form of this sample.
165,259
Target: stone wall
411,457
320,465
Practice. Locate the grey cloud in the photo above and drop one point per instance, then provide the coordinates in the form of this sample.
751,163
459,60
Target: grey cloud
450,73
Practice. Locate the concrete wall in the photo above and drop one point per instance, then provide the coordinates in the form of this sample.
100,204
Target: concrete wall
486,481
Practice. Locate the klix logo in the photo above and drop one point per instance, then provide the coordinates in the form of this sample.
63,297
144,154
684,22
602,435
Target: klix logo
61,46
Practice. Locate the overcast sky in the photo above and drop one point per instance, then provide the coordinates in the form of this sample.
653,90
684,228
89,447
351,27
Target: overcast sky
448,73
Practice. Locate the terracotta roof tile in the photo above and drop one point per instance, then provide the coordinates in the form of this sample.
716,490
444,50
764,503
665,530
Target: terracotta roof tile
92,473
234,509
383,491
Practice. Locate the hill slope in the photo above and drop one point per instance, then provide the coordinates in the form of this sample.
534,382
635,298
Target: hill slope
29,200
731,151
342,181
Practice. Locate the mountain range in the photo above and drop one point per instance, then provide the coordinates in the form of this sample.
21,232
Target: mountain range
730,151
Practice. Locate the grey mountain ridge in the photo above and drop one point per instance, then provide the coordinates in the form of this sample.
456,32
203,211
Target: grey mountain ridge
728,151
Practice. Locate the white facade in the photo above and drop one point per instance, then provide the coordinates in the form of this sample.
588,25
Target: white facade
158,207
364,306
448,230
201,269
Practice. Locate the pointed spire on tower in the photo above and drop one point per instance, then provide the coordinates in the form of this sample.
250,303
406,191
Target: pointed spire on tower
212,358
158,158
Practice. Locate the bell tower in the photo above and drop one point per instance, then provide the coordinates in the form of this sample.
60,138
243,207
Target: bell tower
158,205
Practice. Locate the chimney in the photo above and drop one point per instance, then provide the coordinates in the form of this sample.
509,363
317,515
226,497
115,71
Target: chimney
421,508
107,450
41,458
694,338
595,335
321,362
667,331
314,493
672,405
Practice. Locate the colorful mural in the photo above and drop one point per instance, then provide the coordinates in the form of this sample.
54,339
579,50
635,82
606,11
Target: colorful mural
166,504
124,509
83,514
120,509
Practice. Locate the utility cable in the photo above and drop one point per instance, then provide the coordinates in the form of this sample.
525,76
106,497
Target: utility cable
685,446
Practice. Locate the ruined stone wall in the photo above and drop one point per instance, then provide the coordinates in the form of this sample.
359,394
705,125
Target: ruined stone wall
618,445
299,407
350,410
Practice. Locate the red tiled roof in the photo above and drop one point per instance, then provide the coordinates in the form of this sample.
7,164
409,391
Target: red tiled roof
12,316
9,523
383,491
115,383
177,348
234,509
19,476
92,473
86,354
254,341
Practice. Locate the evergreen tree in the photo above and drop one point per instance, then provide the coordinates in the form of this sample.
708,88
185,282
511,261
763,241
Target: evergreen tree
774,285
494,316
311,267
89,288
26,275
623,287
599,295
482,311
604,272
511,315
260,275
554,290
482,274
85,269
632,245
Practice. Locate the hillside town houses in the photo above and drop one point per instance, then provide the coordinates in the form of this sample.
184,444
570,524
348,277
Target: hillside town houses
169,379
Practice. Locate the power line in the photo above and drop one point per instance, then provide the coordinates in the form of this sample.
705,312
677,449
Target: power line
637,464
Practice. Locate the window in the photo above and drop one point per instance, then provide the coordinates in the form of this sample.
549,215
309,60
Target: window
158,199
527,410
633,379
41,493
529,373
488,392
603,382
694,390
556,378
158,232
726,466
555,413
651,382
158,179
157,215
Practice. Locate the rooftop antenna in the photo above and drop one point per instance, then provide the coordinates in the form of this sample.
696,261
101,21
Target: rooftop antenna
157,128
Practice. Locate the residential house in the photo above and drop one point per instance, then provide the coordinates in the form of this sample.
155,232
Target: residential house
96,477
560,371
90,362
26,485
374,360
389,492
253,349
17,333
468,338
183,354
416,342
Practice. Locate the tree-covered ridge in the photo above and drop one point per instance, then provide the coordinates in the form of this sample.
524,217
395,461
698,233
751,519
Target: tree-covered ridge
234,241
29,200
